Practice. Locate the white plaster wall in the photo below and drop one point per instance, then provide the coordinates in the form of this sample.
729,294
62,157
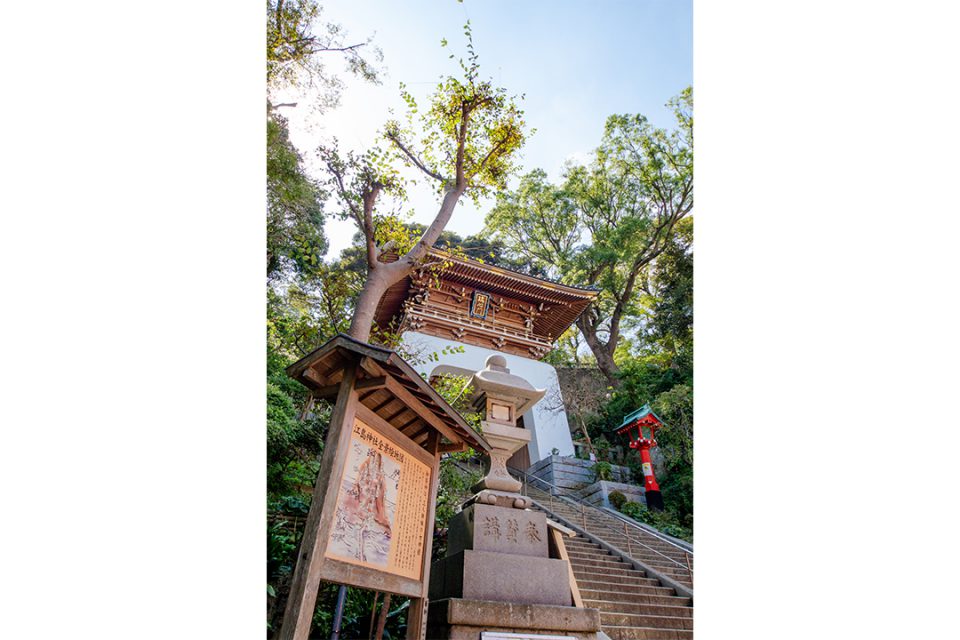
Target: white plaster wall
547,419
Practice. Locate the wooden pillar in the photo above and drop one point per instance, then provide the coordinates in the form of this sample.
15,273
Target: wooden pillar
298,615
417,613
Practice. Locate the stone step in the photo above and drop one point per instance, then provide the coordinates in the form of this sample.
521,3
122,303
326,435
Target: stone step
633,605
580,541
624,596
639,620
619,541
589,552
617,538
648,557
588,567
628,576
604,559
642,608
600,561
633,587
646,633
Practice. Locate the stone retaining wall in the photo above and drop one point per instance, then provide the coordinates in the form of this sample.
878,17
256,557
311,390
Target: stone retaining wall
598,493
571,474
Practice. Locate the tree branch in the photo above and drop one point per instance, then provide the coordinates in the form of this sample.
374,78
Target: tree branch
462,144
369,200
490,153
413,158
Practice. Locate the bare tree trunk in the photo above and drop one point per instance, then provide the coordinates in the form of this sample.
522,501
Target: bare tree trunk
382,275
602,352
373,289
586,435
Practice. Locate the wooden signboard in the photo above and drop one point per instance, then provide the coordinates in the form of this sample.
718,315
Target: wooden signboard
380,518
371,518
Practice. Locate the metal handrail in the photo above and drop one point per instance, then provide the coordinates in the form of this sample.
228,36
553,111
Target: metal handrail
527,478
583,504
646,527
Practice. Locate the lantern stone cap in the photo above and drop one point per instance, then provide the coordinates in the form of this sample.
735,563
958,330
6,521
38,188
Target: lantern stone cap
496,381
644,413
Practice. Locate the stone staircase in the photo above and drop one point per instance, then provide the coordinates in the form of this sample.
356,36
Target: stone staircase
633,603
634,542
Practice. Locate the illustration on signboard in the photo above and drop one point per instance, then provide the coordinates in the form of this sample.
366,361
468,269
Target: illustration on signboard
366,506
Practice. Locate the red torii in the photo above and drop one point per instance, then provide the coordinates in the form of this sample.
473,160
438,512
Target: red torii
632,427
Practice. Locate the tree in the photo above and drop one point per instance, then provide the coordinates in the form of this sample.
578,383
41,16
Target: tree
296,44
470,135
625,203
669,299
298,47
295,238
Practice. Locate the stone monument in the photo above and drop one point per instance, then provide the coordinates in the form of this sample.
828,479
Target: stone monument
498,574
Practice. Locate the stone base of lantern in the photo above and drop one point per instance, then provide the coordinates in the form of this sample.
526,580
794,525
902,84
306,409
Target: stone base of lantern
465,619
497,576
487,575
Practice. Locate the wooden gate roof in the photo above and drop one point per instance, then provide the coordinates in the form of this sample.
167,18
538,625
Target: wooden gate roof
565,302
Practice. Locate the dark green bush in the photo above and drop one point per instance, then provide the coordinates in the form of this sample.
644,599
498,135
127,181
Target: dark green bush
617,499
602,471
637,511
664,521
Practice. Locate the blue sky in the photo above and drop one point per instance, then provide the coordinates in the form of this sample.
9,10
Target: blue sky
576,61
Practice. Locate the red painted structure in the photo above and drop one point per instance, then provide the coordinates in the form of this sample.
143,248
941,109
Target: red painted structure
633,427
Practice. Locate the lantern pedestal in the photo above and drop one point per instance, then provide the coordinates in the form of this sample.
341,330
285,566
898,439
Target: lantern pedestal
654,500
504,442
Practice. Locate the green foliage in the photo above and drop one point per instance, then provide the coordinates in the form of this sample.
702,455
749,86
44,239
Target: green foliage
538,221
356,613
617,499
567,351
664,521
602,448
295,238
636,511
453,489
470,129
675,440
625,203
297,43
670,295
602,470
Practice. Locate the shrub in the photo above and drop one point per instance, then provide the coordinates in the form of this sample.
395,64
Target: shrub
603,471
638,512
617,499
664,521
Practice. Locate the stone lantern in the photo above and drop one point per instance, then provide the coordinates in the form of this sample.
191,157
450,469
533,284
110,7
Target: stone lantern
504,570
501,397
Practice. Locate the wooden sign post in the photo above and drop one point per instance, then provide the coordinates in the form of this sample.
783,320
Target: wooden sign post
370,523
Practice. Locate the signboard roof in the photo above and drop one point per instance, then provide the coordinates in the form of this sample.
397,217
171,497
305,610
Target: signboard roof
388,386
